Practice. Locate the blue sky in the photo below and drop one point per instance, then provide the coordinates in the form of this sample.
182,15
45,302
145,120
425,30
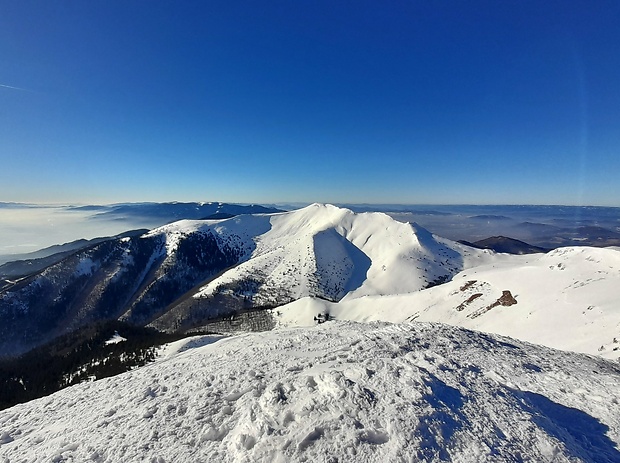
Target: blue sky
482,102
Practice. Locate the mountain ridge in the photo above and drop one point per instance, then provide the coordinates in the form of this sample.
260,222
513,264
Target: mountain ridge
187,274
264,260
565,299
506,244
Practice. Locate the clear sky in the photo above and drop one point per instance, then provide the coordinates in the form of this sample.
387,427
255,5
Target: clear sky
405,101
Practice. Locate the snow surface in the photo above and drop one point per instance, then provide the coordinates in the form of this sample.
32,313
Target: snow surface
115,339
338,392
566,299
85,266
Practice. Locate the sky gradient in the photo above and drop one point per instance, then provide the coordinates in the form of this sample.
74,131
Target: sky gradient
446,102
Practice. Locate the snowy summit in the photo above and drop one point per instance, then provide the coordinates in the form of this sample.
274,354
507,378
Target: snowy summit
338,392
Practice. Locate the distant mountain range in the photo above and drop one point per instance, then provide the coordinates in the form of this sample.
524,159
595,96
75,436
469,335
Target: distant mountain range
548,227
70,224
175,210
200,274
505,244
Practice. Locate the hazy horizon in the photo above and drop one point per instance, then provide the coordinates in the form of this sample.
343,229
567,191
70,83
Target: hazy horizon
29,228
296,204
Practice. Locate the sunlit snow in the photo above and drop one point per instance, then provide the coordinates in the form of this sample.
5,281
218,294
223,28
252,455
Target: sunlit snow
340,391
115,339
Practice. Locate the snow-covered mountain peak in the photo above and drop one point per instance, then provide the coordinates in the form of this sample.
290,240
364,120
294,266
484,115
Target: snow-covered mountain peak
323,258
190,271
332,252
585,253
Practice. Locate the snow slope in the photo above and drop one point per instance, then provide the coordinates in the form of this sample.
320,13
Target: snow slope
337,392
367,266
567,299
330,252
322,258
183,275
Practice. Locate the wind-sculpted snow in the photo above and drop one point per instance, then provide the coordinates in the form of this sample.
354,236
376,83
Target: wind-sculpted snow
337,392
